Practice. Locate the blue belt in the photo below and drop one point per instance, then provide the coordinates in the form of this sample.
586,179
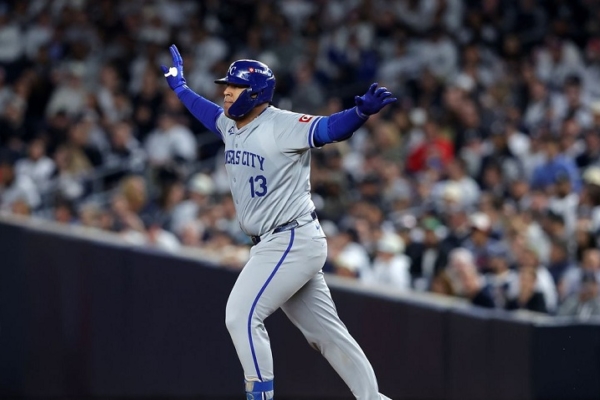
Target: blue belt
284,227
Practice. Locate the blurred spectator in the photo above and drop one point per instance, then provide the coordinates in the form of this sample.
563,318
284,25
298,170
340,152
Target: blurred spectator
308,97
528,298
426,256
591,151
456,174
559,261
571,279
37,166
70,96
435,152
586,302
390,266
545,175
14,187
480,242
500,276
125,155
528,20
170,141
466,281
543,283
346,256
11,39
557,59
200,191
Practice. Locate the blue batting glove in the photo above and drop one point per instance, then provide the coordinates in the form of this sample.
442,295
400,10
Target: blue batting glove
373,101
174,74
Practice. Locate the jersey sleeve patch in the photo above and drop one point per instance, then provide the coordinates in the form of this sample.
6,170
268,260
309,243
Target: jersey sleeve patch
305,118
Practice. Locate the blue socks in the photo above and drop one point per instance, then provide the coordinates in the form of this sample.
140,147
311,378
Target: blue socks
259,390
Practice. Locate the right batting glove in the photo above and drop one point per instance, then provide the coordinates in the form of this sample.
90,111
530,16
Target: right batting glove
174,74
373,101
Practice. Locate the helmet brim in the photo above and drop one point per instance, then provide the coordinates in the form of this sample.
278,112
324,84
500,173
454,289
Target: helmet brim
229,81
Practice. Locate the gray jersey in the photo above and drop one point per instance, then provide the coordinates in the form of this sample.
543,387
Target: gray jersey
268,165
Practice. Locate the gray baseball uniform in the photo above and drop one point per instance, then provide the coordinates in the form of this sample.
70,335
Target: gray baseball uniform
268,164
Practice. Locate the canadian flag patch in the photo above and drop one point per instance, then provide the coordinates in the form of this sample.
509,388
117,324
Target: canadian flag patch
305,118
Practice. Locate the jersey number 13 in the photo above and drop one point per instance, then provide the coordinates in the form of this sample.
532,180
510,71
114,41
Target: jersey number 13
258,185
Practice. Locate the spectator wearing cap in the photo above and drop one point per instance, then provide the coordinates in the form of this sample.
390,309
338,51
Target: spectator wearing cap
434,152
500,275
390,266
480,242
346,256
544,175
200,190
15,187
37,165
457,230
586,302
70,96
466,280
158,237
500,153
456,173
427,257
571,280
528,298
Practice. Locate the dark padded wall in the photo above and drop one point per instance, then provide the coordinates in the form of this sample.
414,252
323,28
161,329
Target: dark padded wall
87,318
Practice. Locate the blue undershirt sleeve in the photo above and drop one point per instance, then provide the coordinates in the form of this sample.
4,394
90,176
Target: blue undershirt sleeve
202,109
338,127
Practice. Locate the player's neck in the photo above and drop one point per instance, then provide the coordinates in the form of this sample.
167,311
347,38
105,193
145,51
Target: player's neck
255,112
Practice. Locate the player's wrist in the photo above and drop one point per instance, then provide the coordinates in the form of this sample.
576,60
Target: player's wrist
180,88
360,113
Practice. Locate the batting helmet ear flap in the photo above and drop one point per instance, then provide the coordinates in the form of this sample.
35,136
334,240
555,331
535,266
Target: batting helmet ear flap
260,82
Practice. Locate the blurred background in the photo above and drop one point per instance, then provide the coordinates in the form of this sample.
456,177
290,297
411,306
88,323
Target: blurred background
481,183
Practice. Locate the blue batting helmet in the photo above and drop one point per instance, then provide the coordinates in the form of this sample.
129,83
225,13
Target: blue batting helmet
260,83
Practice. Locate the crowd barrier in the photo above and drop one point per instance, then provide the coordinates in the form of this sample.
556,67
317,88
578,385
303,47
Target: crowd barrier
82,316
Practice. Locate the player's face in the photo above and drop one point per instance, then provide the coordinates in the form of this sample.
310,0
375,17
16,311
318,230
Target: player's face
230,95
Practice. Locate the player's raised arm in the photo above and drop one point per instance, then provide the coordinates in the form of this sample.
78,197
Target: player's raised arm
204,110
340,126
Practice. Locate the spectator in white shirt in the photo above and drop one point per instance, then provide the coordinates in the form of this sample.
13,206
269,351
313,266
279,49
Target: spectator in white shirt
37,166
70,95
170,141
11,40
200,188
391,267
557,60
14,188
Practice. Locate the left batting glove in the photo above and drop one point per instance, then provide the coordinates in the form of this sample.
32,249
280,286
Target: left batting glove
174,74
373,101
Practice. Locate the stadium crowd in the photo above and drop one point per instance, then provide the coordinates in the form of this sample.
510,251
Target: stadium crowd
482,182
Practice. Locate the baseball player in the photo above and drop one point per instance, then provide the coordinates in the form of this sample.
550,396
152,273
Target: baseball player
267,157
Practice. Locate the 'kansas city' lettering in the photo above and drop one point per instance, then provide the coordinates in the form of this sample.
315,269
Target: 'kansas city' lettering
237,157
